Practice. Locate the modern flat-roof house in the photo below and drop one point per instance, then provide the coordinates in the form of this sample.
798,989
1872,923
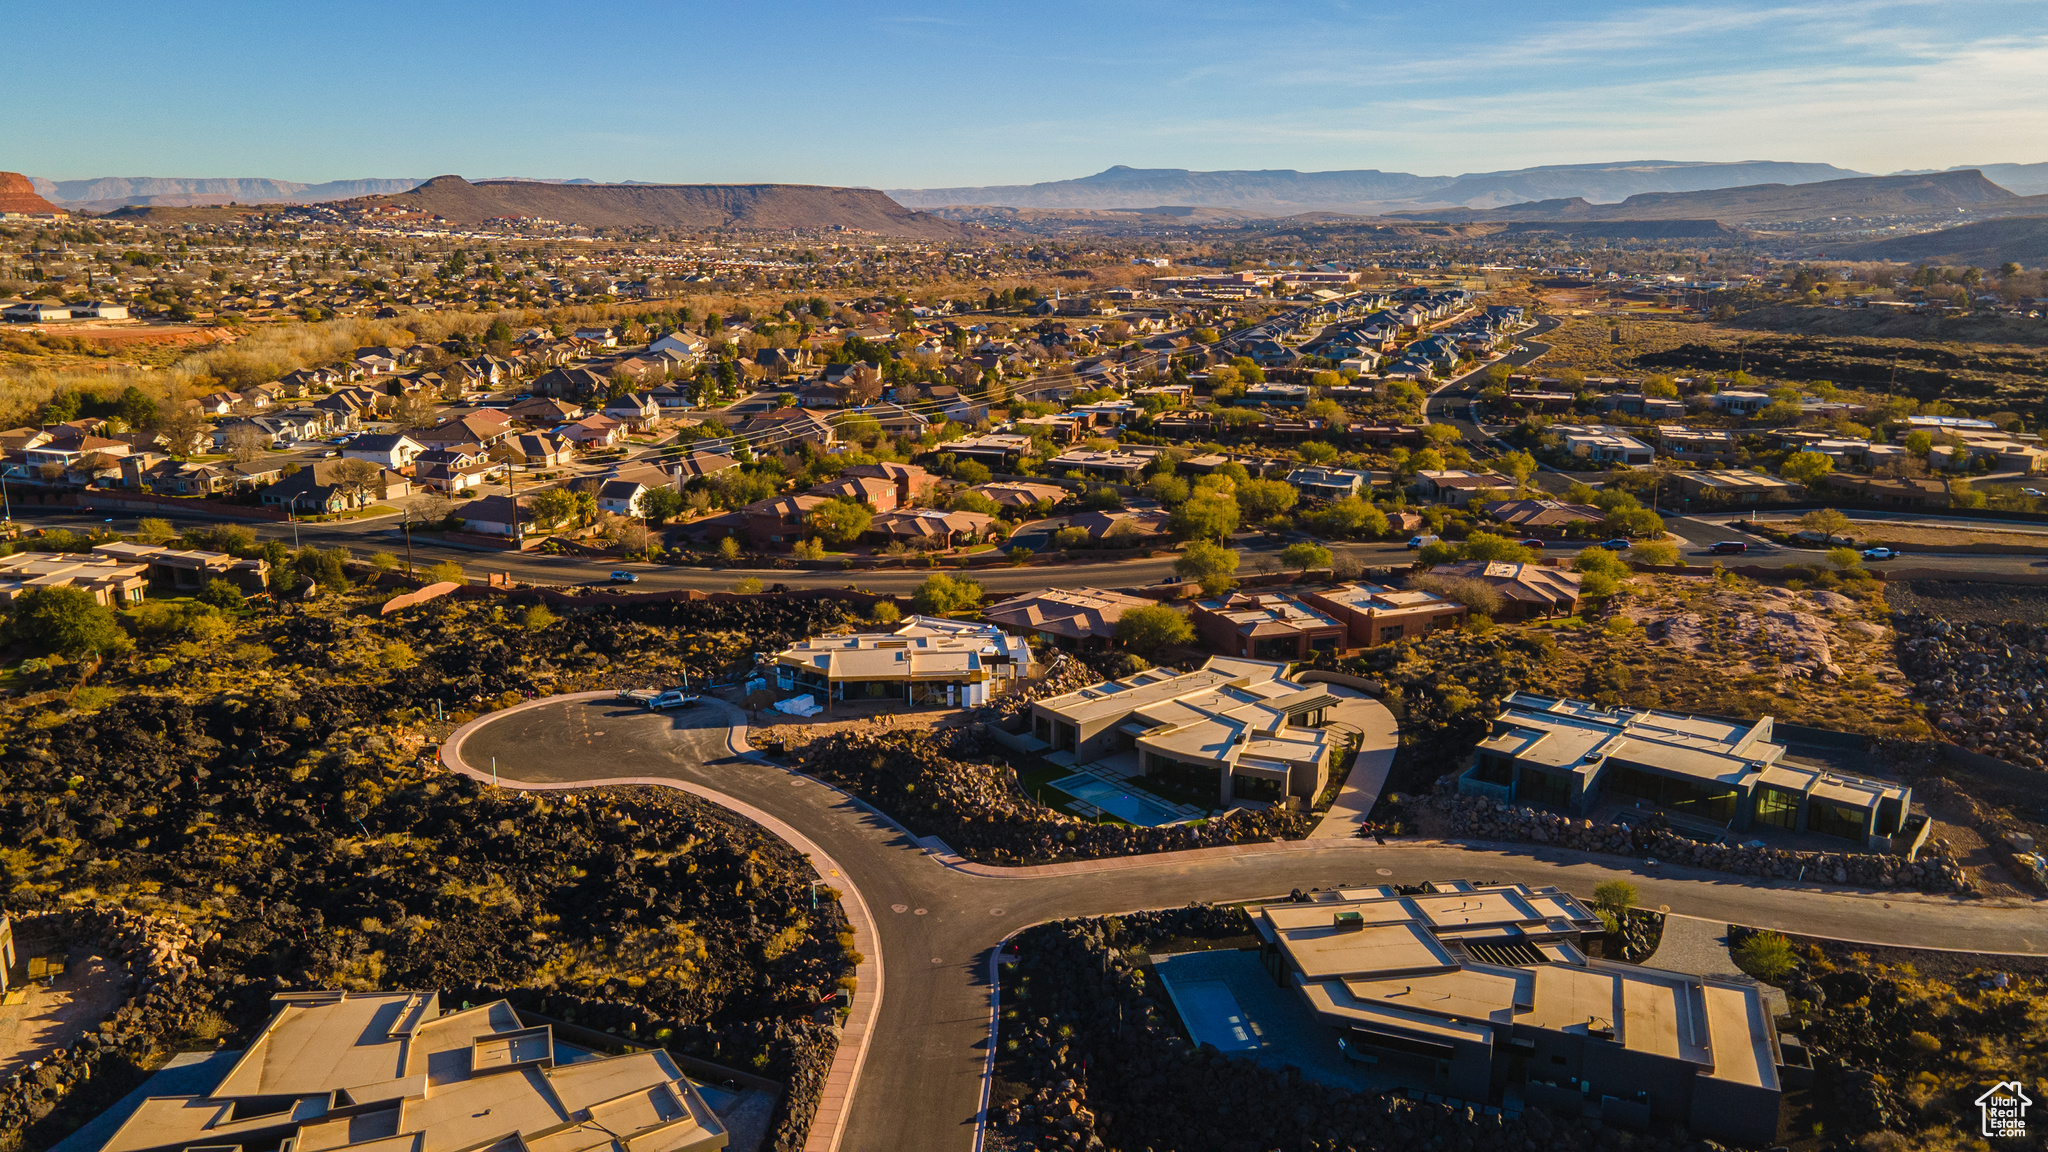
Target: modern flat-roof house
1120,464
1573,754
1374,615
1475,991
190,569
110,582
1296,625
386,1071
926,661
1069,616
1546,516
1729,486
1330,483
1234,725
1602,444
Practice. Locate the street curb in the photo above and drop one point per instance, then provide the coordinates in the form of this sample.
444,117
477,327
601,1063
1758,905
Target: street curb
828,1123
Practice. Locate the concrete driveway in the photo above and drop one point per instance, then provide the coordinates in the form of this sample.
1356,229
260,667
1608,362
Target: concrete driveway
1380,738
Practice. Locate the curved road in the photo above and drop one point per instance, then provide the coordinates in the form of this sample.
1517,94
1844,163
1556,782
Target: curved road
922,1084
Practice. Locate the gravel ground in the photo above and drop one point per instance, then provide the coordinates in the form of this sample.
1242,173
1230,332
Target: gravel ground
1967,601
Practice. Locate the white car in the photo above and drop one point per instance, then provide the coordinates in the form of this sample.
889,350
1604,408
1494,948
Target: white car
1880,554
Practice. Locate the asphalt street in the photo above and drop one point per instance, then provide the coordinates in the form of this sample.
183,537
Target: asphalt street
921,1087
1451,402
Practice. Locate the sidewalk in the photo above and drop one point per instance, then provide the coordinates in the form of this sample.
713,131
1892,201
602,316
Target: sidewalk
1381,739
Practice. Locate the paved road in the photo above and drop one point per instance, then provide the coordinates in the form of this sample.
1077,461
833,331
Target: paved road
921,1089
1451,402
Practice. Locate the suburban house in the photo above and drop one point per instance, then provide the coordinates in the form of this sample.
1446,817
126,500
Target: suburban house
784,428
392,1070
1070,617
1234,725
1601,444
1023,493
543,412
537,450
1737,403
1575,755
393,450
925,661
873,491
1544,517
689,345
570,383
621,497
318,488
599,431
998,450
1373,615
1891,493
453,470
1122,465
909,479
700,463
1456,486
1526,589
637,412
931,528
1484,991
484,426
498,516
777,523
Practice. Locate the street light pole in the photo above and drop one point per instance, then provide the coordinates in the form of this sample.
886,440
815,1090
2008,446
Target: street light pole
292,514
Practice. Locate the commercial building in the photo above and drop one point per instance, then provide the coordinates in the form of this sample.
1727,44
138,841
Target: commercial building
1234,725
1373,615
1573,754
926,661
389,1071
1070,617
1474,991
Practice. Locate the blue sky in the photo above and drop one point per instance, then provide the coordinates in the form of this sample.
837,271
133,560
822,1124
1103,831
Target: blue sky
924,95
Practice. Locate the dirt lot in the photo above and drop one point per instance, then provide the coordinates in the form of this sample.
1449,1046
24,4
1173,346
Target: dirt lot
1869,532
58,1012
771,727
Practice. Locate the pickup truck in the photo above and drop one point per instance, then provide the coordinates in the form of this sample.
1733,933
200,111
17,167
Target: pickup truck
659,699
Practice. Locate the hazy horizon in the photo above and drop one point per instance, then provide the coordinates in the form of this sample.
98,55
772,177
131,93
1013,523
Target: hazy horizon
921,96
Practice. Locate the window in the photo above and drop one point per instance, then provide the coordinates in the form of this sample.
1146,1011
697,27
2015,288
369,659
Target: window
1544,788
1492,768
1391,633
1777,808
1835,819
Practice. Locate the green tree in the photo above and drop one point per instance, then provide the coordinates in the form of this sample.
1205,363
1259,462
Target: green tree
885,612
1615,897
1600,560
968,500
1660,553
1316,452
1146,630
747,585
941,594
1829,522
661,504
1207,516
1521,466
1488,546
1598,585
1844,558
447,572
222,595
1212,565
1168,489
65,622
151,530
1806,468
1305,555
1260,500
729,549
1351,516
552,507
840,521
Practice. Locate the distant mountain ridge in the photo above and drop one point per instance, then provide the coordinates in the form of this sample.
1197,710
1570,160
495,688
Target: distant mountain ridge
105,193
1864,195
766,207
1285,192
1982,244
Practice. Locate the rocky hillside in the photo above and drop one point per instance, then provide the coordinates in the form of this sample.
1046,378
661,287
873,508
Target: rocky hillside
765,207
17,194
1865,196
1983,244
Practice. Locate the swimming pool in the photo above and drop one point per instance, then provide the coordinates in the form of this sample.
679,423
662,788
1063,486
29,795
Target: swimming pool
1125,804
1212,1015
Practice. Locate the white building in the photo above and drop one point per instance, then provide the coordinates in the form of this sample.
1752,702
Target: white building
927,660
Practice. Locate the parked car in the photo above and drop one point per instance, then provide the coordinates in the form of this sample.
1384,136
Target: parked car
1880,554
623,577
1415,542
1533,543
2032,492
1728,547
1618,544
659,699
